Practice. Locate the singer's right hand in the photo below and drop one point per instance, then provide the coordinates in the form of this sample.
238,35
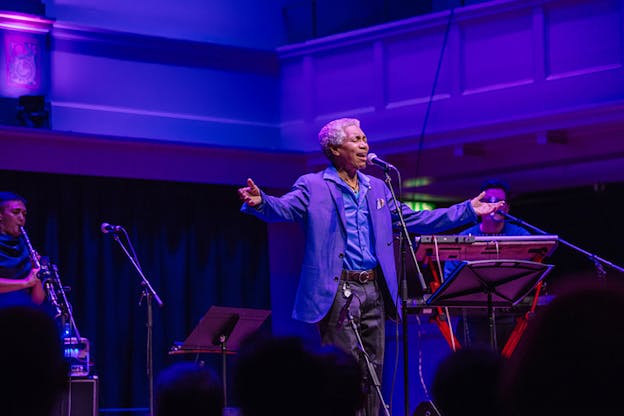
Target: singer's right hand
250,194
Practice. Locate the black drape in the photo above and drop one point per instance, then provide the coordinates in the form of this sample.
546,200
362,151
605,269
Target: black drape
588,217
193,244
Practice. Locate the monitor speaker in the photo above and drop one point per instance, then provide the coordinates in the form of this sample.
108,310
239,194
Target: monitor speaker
81,398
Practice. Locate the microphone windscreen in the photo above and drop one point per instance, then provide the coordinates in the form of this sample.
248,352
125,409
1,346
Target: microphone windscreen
370,158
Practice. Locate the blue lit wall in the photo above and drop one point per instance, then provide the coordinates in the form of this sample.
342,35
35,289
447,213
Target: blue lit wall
245,23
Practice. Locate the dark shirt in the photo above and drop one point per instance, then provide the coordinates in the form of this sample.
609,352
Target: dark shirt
508,229
14,264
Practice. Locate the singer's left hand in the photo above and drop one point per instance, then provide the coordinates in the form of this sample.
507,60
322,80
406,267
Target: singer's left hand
485,208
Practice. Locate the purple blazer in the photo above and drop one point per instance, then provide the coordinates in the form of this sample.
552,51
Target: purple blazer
317,204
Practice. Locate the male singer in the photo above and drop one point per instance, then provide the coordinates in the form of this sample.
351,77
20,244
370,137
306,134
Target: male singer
348,218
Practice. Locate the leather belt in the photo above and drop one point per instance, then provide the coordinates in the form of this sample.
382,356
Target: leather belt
361,276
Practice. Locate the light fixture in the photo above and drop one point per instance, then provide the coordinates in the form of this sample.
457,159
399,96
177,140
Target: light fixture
33,111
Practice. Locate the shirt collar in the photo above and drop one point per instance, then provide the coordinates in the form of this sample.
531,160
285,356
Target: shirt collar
331,173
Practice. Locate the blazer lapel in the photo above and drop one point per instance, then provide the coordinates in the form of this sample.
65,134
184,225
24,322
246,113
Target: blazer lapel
372,209
338,202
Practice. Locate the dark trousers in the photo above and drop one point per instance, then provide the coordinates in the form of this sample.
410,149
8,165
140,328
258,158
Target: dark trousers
367,309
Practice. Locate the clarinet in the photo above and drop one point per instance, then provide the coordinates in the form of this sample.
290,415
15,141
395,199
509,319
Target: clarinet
51,285
48,283
34,258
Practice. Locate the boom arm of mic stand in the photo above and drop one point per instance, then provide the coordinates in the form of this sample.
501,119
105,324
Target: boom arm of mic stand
594,258
146,282
150,294
397,205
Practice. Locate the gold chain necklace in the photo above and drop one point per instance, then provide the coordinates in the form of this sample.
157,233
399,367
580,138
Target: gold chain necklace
353,183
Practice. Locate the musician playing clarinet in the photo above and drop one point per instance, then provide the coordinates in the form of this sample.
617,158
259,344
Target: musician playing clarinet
19,284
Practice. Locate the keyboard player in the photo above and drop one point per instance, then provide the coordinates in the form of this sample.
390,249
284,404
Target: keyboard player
473,326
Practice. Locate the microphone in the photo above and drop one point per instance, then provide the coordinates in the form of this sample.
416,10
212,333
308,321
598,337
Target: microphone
344,311
108,228
373,159
499,216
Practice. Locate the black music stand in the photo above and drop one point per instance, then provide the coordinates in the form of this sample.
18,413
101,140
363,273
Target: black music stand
221,331
489,283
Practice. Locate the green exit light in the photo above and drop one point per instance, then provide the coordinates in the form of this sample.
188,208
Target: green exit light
420,206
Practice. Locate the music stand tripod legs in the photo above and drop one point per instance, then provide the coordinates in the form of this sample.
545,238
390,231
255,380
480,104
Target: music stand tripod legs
491,322
369,365
491,284
222,338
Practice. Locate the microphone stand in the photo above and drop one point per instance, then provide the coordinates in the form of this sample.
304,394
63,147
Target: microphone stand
403,284
597,260
147,293
371,369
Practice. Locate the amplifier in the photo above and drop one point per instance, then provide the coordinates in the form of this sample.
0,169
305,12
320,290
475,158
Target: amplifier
81,398
77,354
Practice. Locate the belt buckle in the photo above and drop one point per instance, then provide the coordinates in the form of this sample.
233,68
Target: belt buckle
363,277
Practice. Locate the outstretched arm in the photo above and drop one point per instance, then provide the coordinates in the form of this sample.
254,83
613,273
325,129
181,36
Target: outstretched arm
442,219
289,207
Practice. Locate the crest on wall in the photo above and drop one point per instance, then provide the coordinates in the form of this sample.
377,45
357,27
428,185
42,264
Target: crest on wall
23,62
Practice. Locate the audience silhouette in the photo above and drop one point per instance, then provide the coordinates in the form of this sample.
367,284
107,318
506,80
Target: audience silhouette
187,389
280,377
33,370
466,383
571,358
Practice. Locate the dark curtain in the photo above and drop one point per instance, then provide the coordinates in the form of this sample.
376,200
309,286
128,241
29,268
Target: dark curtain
588,217
194,245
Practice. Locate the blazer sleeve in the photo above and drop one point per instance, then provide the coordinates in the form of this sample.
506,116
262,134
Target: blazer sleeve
435,221
290,207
